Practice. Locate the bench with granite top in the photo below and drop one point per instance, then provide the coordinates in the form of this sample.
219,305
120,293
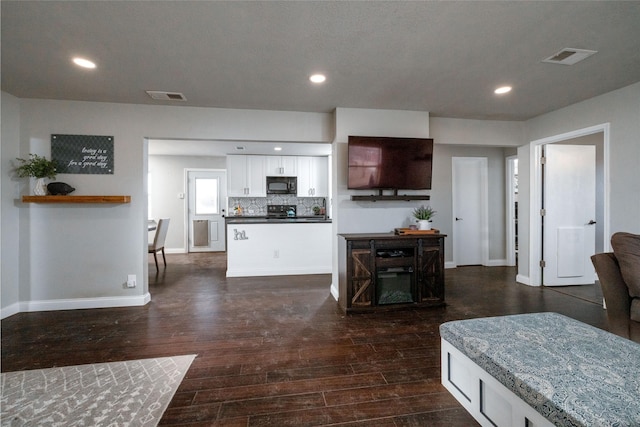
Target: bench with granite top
541,369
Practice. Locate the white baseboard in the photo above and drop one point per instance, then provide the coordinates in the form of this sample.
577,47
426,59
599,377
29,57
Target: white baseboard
174,251
76,304
10,310
525,280
490,263
278,272
334,292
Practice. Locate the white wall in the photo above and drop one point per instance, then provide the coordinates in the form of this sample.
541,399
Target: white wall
621,109
370,217
442,196
10,188
490,133
79,256
167,181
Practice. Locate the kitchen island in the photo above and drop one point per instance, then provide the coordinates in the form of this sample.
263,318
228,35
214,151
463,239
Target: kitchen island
262,246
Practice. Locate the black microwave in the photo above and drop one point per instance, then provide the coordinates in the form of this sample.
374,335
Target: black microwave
282,185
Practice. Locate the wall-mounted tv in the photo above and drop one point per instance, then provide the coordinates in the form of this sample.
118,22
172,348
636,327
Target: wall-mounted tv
387,163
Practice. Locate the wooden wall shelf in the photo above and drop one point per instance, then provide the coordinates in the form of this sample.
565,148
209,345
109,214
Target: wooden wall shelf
375,198
76,199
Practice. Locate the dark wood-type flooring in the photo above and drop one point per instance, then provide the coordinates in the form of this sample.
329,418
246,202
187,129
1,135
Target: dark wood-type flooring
277,351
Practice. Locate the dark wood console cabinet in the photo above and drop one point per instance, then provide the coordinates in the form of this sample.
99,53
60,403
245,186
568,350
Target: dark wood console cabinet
386,271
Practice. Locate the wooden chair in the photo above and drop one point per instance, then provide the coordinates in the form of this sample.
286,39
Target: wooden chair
158,241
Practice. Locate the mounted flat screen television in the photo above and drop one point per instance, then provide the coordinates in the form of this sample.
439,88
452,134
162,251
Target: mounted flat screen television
386,163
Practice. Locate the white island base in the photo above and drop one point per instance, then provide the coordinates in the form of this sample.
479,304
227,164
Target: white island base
278,249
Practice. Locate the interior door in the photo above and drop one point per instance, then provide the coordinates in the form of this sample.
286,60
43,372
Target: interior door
207,196
569,203
470,222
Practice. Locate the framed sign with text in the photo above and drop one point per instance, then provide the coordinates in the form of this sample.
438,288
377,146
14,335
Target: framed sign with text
82,154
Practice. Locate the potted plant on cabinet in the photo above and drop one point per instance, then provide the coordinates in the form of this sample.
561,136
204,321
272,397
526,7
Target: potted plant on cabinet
37,167
423,215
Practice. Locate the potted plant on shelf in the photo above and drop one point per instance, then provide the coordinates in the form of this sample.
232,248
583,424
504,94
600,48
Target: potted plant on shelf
37,167
423,215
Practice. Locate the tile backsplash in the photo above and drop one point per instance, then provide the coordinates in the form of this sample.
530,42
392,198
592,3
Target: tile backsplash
257,206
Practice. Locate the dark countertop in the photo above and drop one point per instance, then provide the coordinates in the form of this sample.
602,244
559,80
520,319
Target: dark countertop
388,236
265,220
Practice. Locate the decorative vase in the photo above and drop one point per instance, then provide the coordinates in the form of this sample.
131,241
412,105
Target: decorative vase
424,224
40,188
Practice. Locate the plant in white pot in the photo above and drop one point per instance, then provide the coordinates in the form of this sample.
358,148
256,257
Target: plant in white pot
37,167
423,216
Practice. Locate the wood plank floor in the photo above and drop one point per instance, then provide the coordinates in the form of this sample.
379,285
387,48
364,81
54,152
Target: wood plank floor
277,351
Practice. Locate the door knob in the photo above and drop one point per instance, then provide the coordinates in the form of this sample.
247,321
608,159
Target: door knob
591,222
458,219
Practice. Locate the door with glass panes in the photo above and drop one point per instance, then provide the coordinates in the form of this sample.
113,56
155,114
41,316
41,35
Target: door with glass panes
206,206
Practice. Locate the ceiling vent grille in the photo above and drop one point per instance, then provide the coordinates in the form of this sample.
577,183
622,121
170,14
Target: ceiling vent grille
569,56
166,96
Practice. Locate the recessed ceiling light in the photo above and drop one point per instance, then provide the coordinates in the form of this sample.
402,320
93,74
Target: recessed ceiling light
502,90
318,78
84,63
277,148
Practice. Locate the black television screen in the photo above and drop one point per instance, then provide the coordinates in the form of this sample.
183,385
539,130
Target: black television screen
390,163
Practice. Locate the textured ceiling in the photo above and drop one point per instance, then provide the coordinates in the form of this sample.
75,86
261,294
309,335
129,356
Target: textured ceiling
441,57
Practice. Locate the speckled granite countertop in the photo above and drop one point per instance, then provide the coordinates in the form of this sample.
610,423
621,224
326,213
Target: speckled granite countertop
572,373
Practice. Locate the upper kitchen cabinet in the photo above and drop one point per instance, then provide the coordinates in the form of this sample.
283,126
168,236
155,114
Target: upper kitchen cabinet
246,176
313,176
281,166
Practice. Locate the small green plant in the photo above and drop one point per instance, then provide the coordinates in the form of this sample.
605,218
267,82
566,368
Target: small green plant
424,213
36,167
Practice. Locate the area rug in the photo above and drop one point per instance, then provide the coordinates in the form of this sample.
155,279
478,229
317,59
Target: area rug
131,393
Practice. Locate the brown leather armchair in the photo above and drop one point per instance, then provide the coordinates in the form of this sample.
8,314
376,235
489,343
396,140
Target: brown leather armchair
619,276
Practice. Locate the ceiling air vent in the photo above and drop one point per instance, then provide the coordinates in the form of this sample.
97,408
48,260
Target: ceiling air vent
166,96
569,56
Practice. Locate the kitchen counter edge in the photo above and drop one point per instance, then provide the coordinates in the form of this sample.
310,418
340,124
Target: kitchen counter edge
264,220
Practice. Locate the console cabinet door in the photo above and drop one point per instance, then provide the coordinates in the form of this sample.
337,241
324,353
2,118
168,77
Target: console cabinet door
359,271
431,271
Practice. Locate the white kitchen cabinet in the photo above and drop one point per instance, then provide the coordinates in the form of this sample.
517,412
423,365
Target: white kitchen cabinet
246,176
281,165
313,176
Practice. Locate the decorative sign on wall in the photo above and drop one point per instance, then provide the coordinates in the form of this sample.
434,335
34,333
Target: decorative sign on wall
83,154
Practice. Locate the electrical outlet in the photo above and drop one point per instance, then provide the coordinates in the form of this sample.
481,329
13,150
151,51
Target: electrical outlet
131,281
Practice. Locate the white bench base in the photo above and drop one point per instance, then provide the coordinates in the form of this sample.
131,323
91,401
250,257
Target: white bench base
486,399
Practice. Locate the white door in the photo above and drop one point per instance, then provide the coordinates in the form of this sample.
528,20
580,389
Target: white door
470,218
207,195
569,203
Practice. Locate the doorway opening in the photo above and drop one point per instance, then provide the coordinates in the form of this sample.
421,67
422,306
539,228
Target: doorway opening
470,210
512,209
206,207
536,241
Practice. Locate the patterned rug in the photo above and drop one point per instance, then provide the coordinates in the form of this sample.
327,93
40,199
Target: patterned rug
131,393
